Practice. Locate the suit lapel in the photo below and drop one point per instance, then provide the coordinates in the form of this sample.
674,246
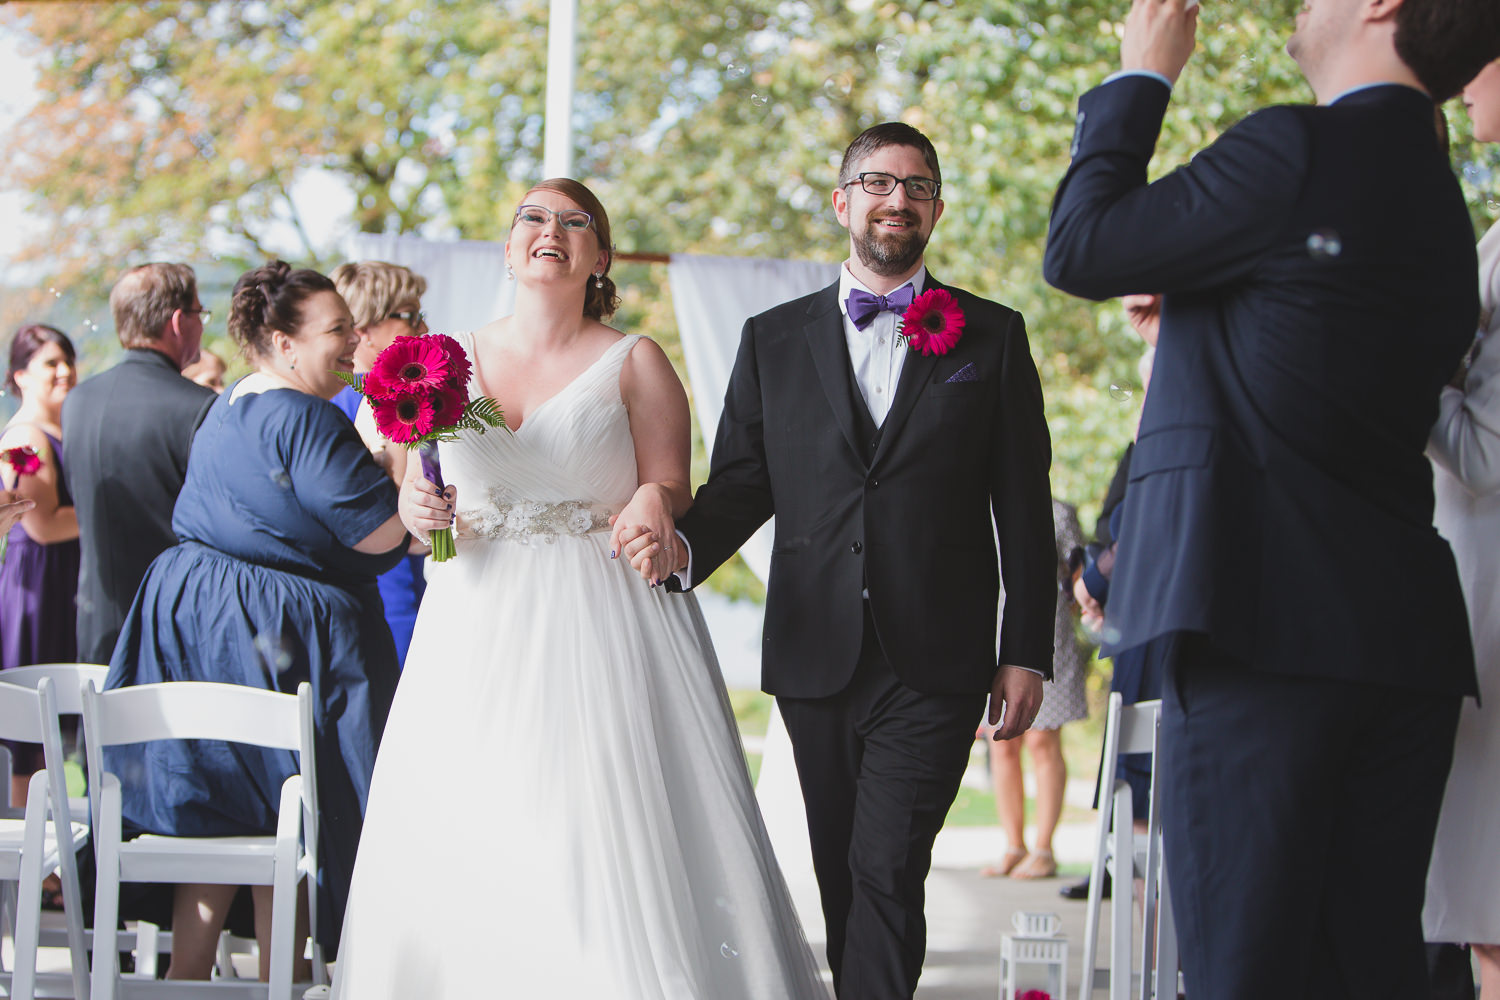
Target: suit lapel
830,354
915,374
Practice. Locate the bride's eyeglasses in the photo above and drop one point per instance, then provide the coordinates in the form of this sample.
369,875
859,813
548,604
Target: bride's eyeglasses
574,220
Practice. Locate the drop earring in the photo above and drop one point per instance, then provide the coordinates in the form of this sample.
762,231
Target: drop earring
599,280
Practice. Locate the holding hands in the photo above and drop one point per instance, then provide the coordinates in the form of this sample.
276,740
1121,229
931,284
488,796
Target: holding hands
1159,36
645,533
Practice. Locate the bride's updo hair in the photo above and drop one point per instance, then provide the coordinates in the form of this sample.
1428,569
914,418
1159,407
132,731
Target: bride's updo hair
268,299
598,303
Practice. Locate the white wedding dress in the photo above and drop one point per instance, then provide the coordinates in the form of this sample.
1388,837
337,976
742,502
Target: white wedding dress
560,806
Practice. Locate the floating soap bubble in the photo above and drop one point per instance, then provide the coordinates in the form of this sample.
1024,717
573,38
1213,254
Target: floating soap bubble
735,71
727,950
1121,391
1492,205
760,101
888,51
1324,244
1109,634
839,85
273,652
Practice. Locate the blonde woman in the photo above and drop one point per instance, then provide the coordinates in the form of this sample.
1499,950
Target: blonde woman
386,302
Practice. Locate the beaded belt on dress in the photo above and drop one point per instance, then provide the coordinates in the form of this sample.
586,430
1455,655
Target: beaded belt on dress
528,520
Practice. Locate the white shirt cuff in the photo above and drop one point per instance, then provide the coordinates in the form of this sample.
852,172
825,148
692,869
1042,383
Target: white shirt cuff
1137,72
685,575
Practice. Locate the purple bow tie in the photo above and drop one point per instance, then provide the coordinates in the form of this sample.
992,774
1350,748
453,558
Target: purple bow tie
864,306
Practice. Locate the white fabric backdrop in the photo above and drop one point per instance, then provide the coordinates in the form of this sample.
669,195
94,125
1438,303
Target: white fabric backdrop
712,297
466,283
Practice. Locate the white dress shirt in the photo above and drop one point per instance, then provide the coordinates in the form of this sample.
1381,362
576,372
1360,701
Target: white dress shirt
875,353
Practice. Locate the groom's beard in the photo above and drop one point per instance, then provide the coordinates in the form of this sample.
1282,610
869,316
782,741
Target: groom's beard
888,253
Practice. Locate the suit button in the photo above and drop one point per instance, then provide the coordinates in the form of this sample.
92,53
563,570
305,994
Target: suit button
874,484
856,548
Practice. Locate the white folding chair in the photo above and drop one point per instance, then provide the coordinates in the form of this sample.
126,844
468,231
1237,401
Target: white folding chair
196,710
43,841
1129,729
68,682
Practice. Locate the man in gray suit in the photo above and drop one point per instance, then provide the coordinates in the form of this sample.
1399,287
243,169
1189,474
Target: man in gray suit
126,433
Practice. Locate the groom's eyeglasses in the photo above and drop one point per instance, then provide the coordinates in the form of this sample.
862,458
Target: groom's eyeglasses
917,188
574,220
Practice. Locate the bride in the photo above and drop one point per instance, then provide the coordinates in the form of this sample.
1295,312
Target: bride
561,746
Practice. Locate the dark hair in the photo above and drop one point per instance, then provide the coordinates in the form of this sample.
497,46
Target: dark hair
27,341
1447,42
887,134
598,303
270,298
145,297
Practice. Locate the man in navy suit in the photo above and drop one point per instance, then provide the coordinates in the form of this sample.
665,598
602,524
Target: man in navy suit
890,473
1318,264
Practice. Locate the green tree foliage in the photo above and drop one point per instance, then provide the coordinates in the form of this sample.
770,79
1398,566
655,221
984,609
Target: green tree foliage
180,128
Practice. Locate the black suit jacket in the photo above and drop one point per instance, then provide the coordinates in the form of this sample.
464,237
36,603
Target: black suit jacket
913,520
1318,265
126,432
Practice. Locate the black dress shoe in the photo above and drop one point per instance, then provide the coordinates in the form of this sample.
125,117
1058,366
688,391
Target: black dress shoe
1080,890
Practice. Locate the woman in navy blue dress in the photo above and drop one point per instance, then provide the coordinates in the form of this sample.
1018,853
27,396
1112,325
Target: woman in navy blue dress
283,524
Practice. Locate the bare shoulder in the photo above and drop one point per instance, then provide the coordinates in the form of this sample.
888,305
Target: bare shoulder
20,435
647,360
648,373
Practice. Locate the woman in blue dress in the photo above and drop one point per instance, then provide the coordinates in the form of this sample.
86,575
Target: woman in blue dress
386,302
283,524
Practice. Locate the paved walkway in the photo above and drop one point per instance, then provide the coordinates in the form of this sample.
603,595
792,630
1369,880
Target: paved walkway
966,916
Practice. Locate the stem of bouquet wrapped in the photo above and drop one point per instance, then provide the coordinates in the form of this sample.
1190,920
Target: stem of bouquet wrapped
442,539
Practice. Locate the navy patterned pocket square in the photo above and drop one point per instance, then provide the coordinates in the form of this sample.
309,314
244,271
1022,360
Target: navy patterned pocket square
968,373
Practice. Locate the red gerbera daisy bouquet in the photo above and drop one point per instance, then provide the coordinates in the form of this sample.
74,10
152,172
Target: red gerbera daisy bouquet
933,322
418,390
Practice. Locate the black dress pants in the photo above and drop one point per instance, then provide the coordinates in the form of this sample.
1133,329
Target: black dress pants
1299,818
879,765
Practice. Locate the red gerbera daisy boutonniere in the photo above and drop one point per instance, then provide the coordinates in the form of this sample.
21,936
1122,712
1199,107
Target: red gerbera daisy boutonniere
933,322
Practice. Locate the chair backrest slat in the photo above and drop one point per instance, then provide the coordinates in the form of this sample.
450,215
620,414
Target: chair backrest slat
68,681
1138,727
198,710
20,714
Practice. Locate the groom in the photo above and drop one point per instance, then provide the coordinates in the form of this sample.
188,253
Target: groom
890,473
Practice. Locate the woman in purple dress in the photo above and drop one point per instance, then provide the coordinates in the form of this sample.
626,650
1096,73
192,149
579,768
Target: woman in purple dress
39,576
